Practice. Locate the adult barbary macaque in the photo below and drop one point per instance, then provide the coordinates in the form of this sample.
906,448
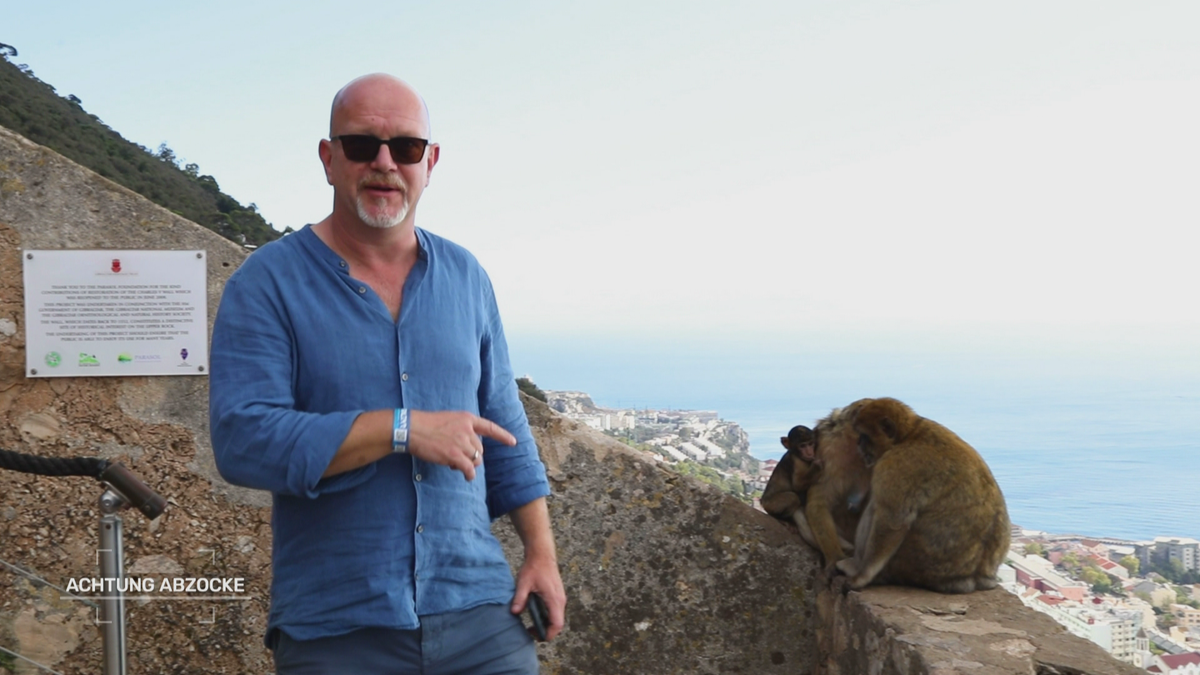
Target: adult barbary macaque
785,493
936,517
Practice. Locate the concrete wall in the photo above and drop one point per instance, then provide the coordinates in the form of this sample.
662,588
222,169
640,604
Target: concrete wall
665,575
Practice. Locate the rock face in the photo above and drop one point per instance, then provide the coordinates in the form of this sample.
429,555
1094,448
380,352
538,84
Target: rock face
572,402
664,574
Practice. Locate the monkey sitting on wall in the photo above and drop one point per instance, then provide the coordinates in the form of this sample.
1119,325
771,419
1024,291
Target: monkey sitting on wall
936,517
836,497
789,482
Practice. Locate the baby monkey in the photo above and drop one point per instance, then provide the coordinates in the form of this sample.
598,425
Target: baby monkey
784,496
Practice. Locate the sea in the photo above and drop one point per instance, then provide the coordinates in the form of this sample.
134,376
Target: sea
1100,444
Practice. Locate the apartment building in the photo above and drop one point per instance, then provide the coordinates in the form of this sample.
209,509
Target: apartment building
1187,616
1037,572
1186,551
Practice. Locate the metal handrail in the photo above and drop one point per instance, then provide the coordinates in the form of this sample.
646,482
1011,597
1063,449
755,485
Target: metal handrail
122,489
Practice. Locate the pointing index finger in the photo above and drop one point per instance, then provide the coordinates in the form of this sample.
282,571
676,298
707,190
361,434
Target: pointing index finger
494,431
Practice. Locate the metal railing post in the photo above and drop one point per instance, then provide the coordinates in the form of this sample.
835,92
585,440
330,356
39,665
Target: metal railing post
112,606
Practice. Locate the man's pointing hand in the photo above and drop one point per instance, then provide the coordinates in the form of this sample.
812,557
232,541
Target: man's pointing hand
452,438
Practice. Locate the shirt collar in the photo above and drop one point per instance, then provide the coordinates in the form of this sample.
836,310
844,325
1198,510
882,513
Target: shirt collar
313,243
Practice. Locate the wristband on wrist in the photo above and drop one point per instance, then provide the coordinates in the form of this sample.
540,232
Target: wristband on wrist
400,431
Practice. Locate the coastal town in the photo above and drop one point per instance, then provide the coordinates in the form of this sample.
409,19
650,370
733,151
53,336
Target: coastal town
1138,600
694,442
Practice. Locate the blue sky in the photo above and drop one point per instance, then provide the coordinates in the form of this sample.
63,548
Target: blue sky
844,169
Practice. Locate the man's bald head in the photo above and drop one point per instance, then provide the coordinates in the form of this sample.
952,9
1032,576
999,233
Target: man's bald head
379,191
368,93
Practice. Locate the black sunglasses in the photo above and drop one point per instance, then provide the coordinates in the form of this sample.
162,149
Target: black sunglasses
365,148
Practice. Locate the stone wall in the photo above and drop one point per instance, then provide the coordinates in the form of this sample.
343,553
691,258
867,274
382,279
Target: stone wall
906,631
665,575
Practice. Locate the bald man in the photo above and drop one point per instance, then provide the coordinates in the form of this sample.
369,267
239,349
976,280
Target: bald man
359,372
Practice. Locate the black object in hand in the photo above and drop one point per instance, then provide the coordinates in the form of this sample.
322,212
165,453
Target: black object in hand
541,618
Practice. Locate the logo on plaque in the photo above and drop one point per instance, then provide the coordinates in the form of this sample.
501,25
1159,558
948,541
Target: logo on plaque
116,266
53,359
86,359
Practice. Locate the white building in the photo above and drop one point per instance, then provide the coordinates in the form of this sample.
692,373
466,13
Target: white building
1084,623
1037,572
1132,604
1186,551
1114,631
1177,664
1125,626
711,448
674,453
689,449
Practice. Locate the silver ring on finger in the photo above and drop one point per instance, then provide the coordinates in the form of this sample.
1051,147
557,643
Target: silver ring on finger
475,456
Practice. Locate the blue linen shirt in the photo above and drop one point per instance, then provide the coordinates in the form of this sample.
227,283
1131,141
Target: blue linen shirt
299,350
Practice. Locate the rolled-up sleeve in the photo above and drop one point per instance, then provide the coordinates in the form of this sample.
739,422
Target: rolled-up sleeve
515,474
260,440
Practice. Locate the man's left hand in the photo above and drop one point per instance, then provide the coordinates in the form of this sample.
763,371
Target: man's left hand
539,572
542,577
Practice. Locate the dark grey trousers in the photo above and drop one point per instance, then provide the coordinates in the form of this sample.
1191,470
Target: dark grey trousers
486,640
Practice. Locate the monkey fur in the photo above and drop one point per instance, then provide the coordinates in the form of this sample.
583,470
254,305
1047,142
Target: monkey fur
784,495
936,517
836,497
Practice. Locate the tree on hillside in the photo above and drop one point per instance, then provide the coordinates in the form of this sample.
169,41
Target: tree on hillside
1132,564
1173,571
730,485
1183,596
526,385
166,154
1035,549
1096,578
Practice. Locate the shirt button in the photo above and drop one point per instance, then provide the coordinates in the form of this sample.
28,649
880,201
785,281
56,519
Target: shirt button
420,529
404,377
362,289
417,478
342,263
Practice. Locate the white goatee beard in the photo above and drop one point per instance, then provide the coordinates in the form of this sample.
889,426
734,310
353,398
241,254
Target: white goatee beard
381,220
